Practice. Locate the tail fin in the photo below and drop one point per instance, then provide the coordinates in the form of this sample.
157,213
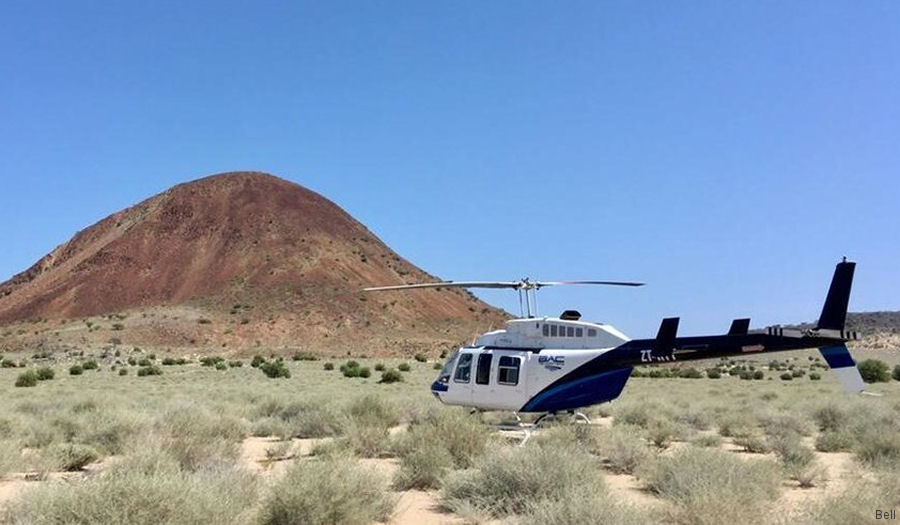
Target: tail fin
739,327
841,363
664,344
834,312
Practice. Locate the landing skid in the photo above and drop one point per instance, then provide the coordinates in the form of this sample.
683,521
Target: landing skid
529,428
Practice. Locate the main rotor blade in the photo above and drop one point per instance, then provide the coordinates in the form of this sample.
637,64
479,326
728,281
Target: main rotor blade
448,284
607,283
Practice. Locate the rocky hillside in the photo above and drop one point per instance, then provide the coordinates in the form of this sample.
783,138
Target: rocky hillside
237,260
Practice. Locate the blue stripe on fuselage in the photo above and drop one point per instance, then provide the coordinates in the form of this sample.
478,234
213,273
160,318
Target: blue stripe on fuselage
581,392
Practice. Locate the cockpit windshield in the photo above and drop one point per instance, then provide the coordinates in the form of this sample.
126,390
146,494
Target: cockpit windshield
444,376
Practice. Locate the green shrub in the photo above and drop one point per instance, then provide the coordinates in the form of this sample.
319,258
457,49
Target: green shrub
714,486
896,373
90,364
7,363
44,373
75,370
328,366
365,372
391,376
713,373
304,356
312,419
814,376
132,361
203,320
235,364
350,369
169,361
879,449
874,371
275,369
144,362
437,366
151,370
758,374
421,358
212,360
511,481
257,361
403,367
327,492
123,371
690,373
221,366
379,367
787,376
26,379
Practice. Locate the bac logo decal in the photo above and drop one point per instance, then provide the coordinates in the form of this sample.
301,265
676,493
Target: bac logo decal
552,362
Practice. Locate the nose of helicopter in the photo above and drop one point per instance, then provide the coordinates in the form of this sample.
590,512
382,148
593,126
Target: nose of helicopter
437,388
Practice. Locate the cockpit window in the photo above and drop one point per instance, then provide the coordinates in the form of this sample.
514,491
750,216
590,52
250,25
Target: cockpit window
444,376
464,369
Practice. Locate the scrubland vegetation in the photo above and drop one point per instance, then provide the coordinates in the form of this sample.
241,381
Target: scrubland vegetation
339,447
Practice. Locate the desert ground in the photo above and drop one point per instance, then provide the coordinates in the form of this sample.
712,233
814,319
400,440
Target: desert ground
214,442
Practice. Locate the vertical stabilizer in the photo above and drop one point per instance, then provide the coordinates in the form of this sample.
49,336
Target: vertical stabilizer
834,311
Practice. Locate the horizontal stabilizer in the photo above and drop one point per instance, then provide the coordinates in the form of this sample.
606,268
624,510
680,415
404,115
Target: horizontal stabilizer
739,327
841,363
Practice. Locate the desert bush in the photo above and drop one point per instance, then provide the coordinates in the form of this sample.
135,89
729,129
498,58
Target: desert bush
830,417
151,370
168,361
368,441
421,358
586,506
75,370
365,372
661,432
463,437
712,486
330,366
44,373
212,360
10,456
26,379
707,440
624,448
403,367
713,373
391,376
90,364
758,374
437,366
197,438
269,426
7,363
110,432
835,441
235,364
814,376
71,456
350,369
257,361
310,419
123,371
753,443
787,376
696,419
221,366
327,492
275,369
304,356
141,491
878,448
379,367
423,467
511,481
896,373
874,371
632,414
690,373
372,410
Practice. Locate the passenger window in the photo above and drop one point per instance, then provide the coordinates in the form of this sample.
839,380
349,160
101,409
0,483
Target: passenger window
592,332
463,369
553,330
546,330
508,370
483,374
579,332
570,331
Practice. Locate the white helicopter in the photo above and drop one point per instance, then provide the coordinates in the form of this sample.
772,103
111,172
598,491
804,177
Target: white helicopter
561,364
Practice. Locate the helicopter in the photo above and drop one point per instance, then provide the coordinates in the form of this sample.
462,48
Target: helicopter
551,365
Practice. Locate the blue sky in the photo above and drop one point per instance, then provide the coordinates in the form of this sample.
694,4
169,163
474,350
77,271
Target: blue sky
728,153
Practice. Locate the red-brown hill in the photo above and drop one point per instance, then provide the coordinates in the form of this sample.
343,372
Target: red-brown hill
237,260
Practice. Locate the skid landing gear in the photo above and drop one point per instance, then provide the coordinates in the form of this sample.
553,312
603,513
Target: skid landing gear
529,428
